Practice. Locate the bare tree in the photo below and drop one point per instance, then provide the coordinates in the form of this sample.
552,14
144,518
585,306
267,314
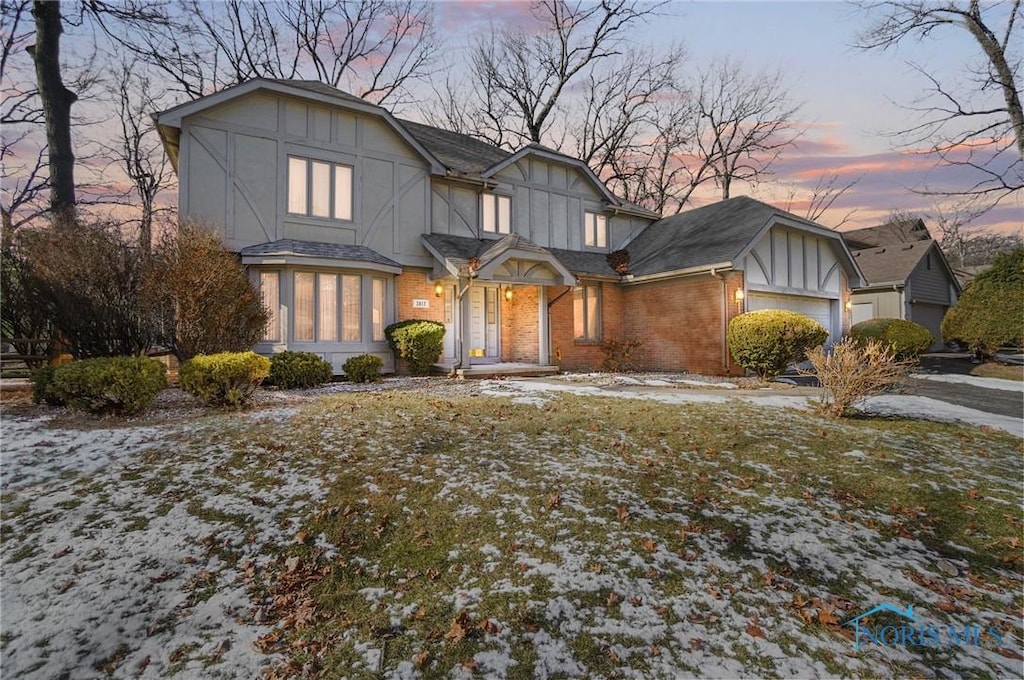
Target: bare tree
372,48
137,150
827,190
23,176
966,247
520,79
745,120
56,104
977,122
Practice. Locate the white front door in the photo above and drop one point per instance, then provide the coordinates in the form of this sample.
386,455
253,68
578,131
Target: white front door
483,325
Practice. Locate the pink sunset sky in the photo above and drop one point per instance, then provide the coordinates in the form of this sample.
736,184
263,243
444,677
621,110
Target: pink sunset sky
854,100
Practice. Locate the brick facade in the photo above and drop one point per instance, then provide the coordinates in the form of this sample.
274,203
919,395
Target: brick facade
680,322
520,327
579,355
413,285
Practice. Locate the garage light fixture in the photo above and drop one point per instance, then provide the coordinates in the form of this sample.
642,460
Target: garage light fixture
508,293
438,289
739,295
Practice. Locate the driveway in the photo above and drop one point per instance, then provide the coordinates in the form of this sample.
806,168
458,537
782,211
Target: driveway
956,386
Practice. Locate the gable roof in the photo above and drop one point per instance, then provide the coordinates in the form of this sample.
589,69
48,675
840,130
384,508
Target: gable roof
459,250
900,231
892,264
169,121
715,235
462,153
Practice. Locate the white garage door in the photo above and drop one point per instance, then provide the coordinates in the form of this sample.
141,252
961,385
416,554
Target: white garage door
816,308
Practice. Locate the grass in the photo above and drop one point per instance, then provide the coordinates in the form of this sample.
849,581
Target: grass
994,369
471,505
433,533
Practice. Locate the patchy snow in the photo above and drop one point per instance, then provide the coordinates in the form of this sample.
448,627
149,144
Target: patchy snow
904,406
122,552
120,546
987,383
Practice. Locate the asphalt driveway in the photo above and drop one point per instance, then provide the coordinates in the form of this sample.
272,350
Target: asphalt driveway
1001,402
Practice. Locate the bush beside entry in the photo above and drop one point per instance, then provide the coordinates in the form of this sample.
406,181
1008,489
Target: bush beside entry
298,370
118,385
904,339
418,341
225,379
768,340
363,368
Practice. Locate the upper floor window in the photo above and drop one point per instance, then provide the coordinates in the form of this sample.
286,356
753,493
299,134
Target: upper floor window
496,214
586,312
595,230
319,189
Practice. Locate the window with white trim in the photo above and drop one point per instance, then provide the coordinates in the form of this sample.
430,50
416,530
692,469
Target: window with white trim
377,317
496,214
270,293
586,312
326,304
595,230
319,189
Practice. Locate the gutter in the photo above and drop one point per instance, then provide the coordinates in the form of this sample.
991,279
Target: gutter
689,271
725,313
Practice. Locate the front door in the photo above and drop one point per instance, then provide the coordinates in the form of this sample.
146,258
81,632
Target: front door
483,325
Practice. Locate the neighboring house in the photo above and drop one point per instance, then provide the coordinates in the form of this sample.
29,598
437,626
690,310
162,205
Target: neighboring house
350,219
906,276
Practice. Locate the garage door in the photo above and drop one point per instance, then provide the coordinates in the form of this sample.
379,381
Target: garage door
816,308
929,316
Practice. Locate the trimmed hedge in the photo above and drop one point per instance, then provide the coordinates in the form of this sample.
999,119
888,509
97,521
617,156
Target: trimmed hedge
990,313
225,379
768,340
298,370
904,339
418,341
118,385
363,368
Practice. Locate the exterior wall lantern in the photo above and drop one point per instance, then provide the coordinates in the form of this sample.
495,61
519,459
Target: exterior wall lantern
438,290
508,293
739,295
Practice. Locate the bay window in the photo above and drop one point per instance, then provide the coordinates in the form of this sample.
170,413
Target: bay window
270,293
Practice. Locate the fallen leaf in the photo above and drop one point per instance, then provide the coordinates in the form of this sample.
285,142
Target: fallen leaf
421,659
655,650
456,633
301,537
754,630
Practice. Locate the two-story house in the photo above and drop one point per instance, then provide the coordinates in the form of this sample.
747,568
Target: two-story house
350,219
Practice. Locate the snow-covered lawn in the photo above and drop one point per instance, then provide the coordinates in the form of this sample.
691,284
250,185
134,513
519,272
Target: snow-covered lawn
505,530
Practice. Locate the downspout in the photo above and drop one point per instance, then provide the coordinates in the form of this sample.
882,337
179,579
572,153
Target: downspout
459,294
725,321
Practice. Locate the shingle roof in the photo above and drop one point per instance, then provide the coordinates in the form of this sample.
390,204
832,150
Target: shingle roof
332,251
319,88
891,263
708,235
460,249
459,152
900,231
